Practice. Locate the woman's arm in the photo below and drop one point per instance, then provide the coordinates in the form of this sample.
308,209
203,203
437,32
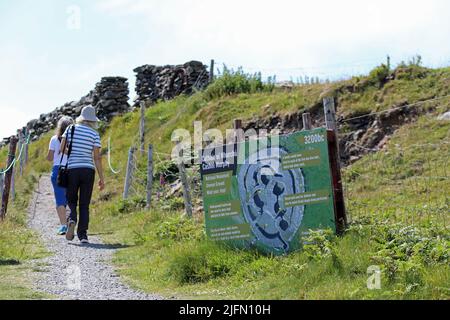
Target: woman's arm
99,166
50,155
63,148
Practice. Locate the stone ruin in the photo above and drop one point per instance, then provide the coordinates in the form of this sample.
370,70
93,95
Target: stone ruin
155,83
110,98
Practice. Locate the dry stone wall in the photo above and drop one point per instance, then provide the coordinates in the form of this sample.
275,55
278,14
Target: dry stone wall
110,98
155,83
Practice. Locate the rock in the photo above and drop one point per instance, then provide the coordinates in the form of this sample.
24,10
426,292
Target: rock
444,117
358,134
383,143
175,189
288,85
353,159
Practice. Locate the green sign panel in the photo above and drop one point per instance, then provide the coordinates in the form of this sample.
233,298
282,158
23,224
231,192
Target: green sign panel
268,193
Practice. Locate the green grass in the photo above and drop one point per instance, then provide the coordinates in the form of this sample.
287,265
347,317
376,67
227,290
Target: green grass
15,284
385,193
409,180
184,264
19,245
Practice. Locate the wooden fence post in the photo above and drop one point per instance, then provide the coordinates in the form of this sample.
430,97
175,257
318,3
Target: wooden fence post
27,133
2,180
185,184
7,182
307,124
330,113
149,175
142,128
129,174
237,126
335,165
12,191
211,71
329,110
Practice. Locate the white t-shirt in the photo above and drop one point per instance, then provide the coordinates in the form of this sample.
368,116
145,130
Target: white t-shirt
55,146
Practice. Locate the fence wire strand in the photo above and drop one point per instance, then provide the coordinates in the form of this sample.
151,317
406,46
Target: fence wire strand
413,195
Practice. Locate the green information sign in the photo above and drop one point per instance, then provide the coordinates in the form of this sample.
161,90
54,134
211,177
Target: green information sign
268,193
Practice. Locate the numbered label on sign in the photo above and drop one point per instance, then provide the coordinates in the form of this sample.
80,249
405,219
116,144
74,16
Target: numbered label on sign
314,138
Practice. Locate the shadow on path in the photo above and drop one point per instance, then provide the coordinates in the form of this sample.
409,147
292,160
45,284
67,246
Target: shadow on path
9,262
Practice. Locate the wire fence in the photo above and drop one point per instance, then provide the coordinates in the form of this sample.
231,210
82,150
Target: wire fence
7,176
403,184
307,73
416,187
406,106
17,159
167,189
411,185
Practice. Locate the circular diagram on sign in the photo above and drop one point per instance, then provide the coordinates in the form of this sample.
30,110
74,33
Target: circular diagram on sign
262,187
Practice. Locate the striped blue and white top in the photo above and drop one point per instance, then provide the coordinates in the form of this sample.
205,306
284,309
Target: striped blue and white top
84,140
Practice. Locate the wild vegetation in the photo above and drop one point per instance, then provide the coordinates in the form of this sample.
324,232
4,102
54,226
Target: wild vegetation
397,198
19,245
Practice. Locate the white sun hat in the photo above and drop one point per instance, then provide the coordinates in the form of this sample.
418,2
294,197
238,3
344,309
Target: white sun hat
88,114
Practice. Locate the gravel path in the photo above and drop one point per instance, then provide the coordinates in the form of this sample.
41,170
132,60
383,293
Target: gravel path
75,271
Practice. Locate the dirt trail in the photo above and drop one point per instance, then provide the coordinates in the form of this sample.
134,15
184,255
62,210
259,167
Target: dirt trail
75,271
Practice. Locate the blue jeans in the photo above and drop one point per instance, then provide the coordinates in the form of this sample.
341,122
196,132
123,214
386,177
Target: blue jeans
60,193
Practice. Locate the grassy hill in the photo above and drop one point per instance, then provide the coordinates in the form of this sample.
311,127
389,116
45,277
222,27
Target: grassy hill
397,198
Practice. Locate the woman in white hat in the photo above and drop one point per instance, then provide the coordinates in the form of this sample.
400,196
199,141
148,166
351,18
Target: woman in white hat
84,158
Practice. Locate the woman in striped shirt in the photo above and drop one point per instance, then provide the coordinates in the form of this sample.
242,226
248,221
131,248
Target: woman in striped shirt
84,158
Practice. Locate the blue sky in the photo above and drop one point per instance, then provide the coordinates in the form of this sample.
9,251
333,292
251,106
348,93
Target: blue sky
45,63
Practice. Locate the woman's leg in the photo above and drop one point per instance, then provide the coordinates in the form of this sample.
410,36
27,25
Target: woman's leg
72,192
86,188
61,210
60,197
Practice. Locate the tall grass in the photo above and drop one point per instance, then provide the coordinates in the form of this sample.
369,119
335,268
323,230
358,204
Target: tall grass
232,82
18,244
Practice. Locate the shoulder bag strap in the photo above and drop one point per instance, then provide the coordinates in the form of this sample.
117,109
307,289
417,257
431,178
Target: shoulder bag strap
70,146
